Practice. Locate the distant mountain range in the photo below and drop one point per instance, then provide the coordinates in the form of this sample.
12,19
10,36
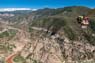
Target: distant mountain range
14,9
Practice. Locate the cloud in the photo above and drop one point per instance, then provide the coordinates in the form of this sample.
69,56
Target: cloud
34,9
15,9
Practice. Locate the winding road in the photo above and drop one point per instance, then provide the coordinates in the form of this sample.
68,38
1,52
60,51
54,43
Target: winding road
23,39
19,45
10,58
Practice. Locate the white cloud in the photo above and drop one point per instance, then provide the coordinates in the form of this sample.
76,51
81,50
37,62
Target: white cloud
34,9
14,9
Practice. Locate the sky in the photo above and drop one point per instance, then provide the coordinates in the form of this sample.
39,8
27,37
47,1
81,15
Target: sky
37,4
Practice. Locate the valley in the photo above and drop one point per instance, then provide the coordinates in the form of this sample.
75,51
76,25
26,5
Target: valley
47,36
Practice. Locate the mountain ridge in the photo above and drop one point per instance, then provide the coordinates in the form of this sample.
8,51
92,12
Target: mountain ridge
14,9
48,36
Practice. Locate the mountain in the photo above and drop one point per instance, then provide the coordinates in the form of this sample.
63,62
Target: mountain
13,9
16,11
48,36
62,21
91,12
8,13
72,9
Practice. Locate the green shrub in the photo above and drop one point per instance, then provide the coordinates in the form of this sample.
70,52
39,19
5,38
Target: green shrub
70,33
4,34
9,33
12,32
92,25
36,61
19,59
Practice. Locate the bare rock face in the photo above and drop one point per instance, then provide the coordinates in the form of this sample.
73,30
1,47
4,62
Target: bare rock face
42,48
78,51
45,50
48,50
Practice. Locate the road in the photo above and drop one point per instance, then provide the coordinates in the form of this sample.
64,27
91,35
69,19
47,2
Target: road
40,29
23,40
10,58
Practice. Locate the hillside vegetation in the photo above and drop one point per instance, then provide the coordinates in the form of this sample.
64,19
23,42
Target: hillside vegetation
49,36
65,19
